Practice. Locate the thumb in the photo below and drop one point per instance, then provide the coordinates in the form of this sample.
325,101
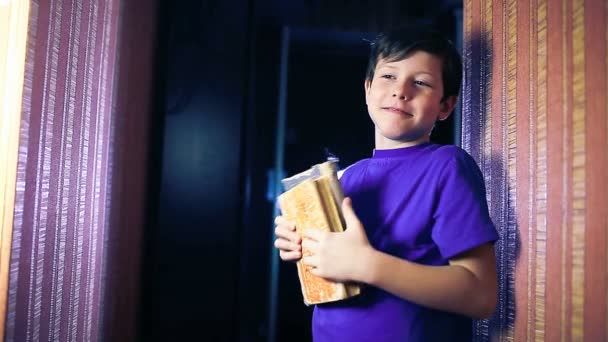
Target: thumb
351,219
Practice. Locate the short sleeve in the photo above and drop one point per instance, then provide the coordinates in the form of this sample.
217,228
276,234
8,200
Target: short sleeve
461,220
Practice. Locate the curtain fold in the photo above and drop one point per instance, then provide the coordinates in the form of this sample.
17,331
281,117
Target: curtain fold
75,253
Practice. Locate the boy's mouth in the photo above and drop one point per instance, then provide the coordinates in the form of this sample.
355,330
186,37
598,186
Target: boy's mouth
396,111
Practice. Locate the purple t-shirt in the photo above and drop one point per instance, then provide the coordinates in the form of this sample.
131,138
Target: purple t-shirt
425,204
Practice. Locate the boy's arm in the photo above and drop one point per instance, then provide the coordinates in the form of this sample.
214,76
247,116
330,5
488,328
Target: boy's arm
467,286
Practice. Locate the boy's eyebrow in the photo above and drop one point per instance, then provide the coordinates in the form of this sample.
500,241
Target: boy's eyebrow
425,72
387,66
394,67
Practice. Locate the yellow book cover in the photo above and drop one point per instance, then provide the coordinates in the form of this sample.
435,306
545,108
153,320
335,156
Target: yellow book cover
312,200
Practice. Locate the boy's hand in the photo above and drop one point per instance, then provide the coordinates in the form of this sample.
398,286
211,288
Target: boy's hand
338,256
288,241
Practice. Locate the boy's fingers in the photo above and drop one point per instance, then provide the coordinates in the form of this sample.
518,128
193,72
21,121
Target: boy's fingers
290,256
348,211
285,245
309,245
313,234
287,234
311,261
316,272
353,225
280,221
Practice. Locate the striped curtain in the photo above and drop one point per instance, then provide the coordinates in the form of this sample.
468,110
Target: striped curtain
535,118
81,171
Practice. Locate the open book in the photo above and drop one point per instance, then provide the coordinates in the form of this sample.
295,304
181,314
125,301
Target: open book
313,200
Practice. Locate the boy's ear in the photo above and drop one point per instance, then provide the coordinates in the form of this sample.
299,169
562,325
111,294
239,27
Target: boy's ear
367,84
447,106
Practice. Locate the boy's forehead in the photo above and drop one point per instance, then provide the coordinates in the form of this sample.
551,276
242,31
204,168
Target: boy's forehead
417,60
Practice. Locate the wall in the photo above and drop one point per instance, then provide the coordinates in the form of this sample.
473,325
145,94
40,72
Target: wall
534,117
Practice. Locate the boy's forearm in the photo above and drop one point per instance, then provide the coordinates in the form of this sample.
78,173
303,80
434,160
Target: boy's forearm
449,288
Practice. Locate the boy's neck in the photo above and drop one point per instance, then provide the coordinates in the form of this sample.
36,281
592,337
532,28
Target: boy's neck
383,143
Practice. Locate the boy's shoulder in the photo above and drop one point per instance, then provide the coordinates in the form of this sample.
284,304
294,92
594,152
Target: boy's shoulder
452,157
433,155
357,165
449,153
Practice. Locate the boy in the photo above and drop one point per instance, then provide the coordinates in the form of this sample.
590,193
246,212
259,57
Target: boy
418,229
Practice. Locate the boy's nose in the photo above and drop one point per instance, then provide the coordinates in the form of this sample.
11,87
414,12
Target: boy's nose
400,92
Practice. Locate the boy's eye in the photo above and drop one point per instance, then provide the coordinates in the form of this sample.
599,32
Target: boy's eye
388,76
422,83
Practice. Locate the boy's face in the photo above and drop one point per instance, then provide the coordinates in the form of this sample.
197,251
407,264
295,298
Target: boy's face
404,100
